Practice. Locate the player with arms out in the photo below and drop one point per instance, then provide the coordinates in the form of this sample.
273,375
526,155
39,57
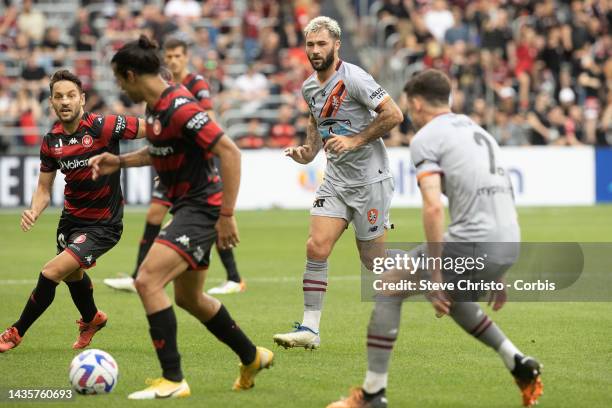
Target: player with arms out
350,113
182,140
91,221
456,157
176,58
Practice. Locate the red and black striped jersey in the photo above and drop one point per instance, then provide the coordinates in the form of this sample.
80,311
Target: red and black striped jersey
199,88
181,136
87,201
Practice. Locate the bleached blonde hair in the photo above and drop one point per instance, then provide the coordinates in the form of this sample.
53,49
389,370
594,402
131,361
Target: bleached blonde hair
317,23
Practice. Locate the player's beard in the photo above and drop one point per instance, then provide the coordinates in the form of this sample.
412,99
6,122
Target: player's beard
326,63
76,114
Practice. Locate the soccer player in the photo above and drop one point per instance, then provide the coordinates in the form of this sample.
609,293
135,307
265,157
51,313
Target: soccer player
350,113
176,59
454,156
90,223
182,140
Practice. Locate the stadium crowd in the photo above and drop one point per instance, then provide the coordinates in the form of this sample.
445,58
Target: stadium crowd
530,72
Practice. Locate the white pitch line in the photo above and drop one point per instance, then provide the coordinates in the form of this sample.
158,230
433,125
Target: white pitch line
261,279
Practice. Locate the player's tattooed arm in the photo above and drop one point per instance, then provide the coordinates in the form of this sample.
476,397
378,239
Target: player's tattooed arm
107,163
389,116
40,200
306,153
433,223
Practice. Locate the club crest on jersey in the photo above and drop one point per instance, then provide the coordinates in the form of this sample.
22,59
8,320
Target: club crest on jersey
157,127
372,215
80,239
87,141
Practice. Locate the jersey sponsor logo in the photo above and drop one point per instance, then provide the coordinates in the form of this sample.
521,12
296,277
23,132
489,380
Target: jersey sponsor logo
160,150
80,239
157,127
87,141
372,215
198,121
183,240
180,101
120,125
73,164
335,126
203,94
377,94
318,203
73,141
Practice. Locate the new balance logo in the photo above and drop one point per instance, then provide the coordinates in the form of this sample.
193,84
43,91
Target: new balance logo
180,101
73,141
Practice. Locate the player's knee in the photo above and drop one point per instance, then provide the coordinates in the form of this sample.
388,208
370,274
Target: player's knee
54,272
155,215
143,283
317,248
187,302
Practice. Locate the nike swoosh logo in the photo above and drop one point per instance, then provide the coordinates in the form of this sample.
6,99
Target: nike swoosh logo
158,395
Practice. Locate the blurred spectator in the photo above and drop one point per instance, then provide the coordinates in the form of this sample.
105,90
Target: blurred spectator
439,19
53,49
183,10
507,132
253,138
33,74
83,32
251,88
156,24
8,26
283,133
6,99
31,21
122,27
26,111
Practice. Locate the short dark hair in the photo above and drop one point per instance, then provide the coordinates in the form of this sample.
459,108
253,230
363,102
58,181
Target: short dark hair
431,84
65,75
140,56
173,42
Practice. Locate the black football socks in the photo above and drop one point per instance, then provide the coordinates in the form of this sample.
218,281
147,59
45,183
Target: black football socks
40,299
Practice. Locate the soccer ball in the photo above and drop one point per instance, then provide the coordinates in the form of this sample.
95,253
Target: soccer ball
93,372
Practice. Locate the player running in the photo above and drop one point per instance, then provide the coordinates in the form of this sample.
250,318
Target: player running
90,223
176,59
454,156
350,113
182,140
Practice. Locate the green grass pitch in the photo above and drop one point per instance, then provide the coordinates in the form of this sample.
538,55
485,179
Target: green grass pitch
434,363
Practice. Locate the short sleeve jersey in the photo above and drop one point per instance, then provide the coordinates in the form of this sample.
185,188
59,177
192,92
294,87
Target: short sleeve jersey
345,105
87,201
474,178
199,88
181,136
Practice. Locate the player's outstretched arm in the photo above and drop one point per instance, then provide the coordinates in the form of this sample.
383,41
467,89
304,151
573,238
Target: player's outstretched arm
433,223
40,200
229,155
306,153
389,116
107,163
